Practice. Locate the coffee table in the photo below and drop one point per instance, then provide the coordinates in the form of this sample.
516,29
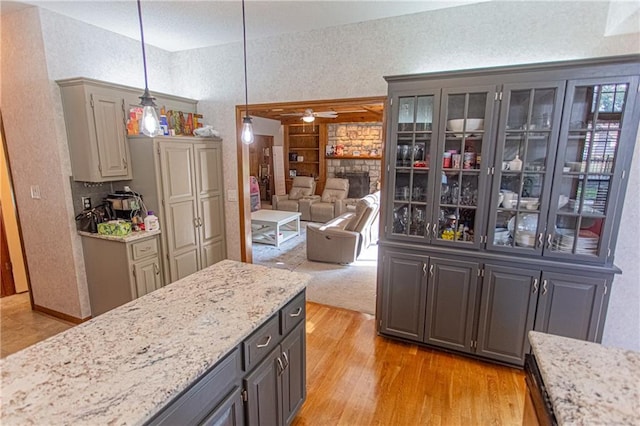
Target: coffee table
274,226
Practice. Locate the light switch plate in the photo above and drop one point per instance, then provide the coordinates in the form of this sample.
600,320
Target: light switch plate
232,195
35,192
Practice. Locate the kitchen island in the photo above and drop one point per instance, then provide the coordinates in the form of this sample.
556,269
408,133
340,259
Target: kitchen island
131,363
587,383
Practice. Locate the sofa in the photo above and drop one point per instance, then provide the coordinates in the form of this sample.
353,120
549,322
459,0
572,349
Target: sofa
342,239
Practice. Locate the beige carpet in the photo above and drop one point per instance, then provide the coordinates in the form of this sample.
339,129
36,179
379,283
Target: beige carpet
345,286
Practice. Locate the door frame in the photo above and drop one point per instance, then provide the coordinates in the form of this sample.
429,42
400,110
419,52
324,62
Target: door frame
244,197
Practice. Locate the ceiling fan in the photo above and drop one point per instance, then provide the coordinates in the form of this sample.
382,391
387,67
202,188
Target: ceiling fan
309,115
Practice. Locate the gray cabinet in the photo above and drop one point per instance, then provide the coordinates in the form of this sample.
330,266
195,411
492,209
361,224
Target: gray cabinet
572,306
120,269
96,131
518,173
507,311
181,179
451,303
96,116
403,294
261,382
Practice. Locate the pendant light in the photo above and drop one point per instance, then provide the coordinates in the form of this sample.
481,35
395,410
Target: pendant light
247,127
150,123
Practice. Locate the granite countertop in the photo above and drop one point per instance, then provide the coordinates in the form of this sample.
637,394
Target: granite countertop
134,236
125,365
588,383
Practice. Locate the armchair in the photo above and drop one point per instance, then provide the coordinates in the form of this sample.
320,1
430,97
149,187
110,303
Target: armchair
342,239
302,187
332,201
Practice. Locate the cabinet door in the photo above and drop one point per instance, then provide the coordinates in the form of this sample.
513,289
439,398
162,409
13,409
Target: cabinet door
264,390
571,306
113,151
461,165
451,302
596,146
208,163
412,129
507,312
525,157
404,291
294,386
147,276
229,413
179,194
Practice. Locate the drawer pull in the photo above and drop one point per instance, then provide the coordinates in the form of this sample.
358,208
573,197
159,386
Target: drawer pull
145,249
296,313
286,359
264,345
280,366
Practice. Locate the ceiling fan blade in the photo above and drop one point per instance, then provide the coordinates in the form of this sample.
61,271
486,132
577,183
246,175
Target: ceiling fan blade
326,114
295,114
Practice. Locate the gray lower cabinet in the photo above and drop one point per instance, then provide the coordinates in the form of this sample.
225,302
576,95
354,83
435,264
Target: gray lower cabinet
403,295
572,306
507,311
119,271
261,382
451,302
485,309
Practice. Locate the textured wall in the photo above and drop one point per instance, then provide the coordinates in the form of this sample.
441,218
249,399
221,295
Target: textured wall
351,60
35,154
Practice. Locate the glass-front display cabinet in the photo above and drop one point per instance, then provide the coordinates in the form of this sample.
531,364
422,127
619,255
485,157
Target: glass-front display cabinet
587,179
414,121
523,169
461,187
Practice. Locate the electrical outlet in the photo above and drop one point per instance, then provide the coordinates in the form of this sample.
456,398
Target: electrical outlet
86,203
35,192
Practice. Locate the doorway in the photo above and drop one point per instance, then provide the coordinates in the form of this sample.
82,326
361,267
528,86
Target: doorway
261,165
352,110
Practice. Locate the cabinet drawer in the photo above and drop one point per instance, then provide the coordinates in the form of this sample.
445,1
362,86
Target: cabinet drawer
292,314
145,248
198,401
261,342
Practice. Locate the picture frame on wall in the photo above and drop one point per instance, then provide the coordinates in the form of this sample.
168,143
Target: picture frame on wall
292,173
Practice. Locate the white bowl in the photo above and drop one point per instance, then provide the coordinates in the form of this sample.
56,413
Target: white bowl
472,124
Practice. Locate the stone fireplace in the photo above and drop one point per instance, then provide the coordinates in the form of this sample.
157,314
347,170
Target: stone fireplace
361,161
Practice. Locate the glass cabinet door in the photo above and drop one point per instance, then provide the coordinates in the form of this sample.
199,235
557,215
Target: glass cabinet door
587,177
462,152
412,144
523,170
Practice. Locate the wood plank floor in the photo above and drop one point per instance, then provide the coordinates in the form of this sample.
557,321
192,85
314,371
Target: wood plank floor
355,377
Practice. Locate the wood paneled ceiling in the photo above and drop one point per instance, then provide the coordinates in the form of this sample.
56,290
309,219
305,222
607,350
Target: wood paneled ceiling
356,110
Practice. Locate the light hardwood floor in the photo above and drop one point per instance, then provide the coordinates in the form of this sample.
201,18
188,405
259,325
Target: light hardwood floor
355,377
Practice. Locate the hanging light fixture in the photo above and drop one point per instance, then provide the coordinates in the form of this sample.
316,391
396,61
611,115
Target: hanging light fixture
150,123
308,116
247,127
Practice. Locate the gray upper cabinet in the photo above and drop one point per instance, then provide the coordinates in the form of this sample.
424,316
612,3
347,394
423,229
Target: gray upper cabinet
96,131
96,115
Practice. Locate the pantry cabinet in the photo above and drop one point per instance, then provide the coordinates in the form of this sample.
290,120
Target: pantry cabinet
181,178
489,169
96,115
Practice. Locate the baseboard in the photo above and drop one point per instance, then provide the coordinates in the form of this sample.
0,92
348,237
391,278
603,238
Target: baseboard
60,315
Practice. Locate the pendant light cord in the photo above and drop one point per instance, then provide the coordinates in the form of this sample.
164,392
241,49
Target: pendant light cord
144,55
244,41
